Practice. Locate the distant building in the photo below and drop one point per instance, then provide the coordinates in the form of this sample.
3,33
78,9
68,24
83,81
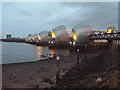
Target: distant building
8,36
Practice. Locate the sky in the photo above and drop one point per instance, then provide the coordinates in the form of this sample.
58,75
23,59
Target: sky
23,18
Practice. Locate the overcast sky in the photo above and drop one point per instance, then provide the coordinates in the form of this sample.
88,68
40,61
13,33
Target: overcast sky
22,18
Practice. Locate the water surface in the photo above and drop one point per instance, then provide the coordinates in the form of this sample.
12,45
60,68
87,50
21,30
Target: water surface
21,52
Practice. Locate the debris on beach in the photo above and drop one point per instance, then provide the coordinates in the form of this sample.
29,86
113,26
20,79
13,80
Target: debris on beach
98,79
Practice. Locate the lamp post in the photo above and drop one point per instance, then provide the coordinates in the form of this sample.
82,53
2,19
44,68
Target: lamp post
85,51
78,57
58,69
95,47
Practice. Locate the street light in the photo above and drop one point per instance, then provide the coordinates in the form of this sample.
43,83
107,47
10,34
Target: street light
74,43
52,42
58,69
49,42
85,51
70,43
78,57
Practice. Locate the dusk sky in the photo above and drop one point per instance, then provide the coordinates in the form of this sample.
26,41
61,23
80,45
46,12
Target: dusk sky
23,18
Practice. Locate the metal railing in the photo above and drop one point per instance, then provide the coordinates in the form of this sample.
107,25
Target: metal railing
107,36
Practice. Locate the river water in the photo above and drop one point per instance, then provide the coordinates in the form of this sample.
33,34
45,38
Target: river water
21,52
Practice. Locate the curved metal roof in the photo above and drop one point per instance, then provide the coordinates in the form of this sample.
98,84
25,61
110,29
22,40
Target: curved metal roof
44,36
82,31
61,33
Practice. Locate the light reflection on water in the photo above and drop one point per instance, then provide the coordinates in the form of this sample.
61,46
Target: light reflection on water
21,52
40,50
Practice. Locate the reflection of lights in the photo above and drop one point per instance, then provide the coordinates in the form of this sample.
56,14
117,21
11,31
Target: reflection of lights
38,53
38,50
52,52
49,42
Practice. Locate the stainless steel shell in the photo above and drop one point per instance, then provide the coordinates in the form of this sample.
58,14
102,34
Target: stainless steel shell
61,33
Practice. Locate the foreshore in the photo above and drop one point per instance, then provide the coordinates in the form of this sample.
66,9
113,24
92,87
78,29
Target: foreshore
39,74
99,72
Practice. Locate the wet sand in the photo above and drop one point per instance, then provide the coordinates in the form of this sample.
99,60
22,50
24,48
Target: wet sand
99,72
39,74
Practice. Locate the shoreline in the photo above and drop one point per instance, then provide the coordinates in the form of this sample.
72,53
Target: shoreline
41,74
24,62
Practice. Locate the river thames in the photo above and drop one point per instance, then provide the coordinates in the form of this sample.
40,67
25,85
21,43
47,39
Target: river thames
21,52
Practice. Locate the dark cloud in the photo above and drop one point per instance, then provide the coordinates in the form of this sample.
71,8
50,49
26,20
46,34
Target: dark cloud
37,17
100,14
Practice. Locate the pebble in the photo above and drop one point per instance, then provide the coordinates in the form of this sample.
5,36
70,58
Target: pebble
98,79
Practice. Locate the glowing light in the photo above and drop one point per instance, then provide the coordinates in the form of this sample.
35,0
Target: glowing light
39,38
97,32
26,39
33,38
74,35
78,50
70,42
51,41
53,34
29,39
109,31
74,43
